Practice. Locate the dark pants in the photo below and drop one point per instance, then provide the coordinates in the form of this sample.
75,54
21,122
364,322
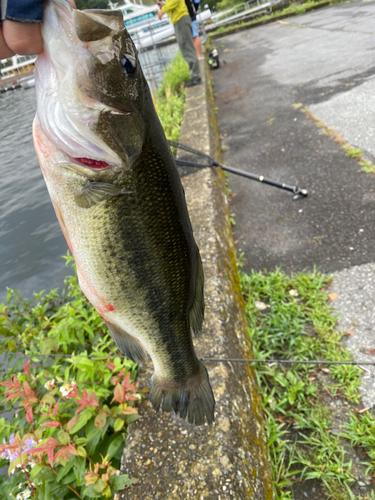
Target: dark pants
184,36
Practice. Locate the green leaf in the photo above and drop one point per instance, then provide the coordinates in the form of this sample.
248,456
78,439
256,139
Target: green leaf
88,329
100,485
4,332
48,344
79,470
100,420
16,462
44,492
49,399
119,482
63,437
84,417
35,470
12,346
81,452
89,492
114,446
81,441
69,478
93,435
64,470
119,424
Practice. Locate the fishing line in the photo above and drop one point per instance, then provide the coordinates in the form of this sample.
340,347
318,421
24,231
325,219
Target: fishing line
215,360
286,361
210,162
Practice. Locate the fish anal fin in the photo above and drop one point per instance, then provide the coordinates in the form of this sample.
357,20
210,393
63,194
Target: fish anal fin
128,345
192,399
196,312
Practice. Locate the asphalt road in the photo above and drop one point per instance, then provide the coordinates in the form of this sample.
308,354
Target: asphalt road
324,60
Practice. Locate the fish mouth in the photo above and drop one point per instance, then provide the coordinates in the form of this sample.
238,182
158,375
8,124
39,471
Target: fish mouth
67,112
91,163
80,163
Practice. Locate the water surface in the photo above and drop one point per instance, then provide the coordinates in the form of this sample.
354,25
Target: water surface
31,243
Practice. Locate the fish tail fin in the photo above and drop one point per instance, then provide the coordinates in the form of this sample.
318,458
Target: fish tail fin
192,399
128,345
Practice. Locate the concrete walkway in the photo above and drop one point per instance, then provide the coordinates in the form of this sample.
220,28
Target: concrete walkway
323,61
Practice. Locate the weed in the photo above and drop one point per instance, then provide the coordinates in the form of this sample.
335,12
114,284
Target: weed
360,431
170,97
298,324
350,150
293,9
367,166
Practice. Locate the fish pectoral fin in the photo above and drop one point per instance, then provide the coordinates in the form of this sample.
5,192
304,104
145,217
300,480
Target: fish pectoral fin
128,345
89,29
111,18
192,399
95,192
196,312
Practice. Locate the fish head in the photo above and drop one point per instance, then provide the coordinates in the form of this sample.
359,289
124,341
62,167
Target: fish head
91,94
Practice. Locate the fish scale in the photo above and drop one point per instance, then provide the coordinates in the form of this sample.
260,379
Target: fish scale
121,207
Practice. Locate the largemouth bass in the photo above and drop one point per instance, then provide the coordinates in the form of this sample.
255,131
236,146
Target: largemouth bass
119,200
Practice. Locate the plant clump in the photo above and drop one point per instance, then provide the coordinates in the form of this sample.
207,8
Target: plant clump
170,97
290,318
67,398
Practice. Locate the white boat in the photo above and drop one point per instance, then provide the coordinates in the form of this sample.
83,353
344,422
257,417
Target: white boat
144,26
27,83
16,65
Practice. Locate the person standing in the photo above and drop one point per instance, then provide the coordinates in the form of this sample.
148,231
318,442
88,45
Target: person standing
179,16
192,8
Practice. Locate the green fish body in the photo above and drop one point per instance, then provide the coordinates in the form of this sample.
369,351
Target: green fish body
119,201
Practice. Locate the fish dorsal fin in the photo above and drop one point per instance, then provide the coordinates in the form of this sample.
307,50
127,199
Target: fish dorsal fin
111,18
196,313
128,345
89,29
95,192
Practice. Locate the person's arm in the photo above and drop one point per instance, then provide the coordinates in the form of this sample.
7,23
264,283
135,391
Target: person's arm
160,12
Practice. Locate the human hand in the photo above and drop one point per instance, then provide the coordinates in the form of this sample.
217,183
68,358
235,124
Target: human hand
21,38
160,14
160,3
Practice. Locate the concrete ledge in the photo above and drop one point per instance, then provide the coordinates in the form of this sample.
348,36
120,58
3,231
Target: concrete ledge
229,460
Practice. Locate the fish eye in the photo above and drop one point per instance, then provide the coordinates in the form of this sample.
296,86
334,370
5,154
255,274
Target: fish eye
128,63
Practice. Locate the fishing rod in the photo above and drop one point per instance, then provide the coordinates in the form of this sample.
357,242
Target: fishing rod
210,162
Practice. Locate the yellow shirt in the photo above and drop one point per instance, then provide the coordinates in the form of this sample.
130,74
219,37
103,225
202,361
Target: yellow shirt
175,10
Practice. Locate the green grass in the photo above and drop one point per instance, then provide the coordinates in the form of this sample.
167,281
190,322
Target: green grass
289,317
367,167
292,9
170,97
360,431
353,152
